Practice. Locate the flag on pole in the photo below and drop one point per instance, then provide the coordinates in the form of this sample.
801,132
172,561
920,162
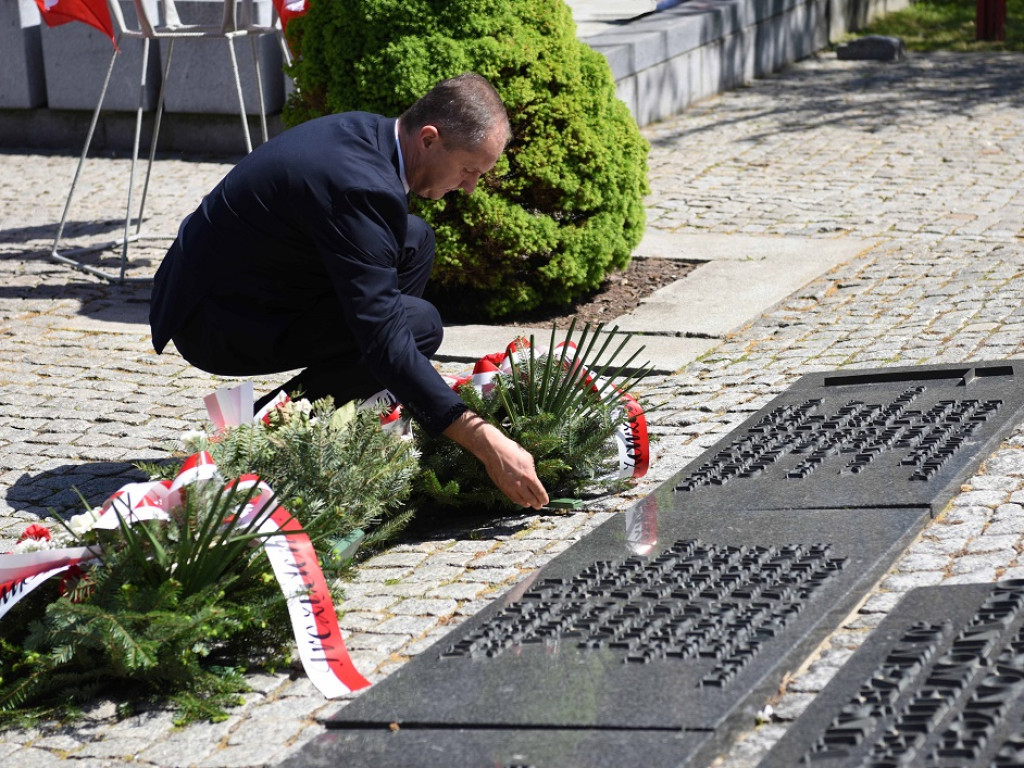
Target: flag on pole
95,13
289,9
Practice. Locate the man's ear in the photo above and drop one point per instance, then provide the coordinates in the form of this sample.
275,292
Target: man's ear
428,135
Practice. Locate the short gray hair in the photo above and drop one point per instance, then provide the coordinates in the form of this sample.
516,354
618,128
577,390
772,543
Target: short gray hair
465,109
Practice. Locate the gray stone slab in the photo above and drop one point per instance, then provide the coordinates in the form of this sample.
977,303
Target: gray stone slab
595,16
872,47
902,436
21,79
472,748
679,323
201,79
667,354
940,682
745,277
655,620
663,244
76,57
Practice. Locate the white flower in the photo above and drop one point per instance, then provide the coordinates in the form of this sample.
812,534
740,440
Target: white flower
85,522
194,437
33,545
302,406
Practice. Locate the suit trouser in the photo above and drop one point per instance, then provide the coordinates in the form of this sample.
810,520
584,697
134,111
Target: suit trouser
314,338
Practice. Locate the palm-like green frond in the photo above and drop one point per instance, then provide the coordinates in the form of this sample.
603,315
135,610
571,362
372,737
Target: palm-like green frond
562,405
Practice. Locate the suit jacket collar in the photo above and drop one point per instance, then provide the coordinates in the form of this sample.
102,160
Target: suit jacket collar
388,143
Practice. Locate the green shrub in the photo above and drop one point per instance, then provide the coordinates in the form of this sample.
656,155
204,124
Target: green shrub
564,206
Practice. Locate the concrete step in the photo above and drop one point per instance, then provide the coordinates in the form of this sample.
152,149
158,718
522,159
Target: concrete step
742,277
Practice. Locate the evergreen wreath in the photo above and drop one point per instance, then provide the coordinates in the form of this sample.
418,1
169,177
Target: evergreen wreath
171,610
337,470
563,405
177,609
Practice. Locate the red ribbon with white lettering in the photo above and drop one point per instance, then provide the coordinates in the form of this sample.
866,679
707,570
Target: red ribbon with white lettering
310,607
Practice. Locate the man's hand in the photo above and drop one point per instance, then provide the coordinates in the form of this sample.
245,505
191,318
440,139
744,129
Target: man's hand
509,465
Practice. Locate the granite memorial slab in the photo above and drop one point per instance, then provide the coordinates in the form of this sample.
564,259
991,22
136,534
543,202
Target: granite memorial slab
678,620
886,437
656,620
939,684
497,748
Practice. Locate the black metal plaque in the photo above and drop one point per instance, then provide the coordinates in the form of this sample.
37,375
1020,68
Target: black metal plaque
939,684
884,437
655,621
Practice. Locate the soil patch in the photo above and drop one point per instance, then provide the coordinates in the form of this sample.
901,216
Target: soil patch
622,292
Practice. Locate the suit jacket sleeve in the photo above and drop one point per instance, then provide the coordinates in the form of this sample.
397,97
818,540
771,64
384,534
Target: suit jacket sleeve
360,244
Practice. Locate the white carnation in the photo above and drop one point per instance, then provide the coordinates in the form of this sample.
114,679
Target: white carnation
85,522
33,545
193,437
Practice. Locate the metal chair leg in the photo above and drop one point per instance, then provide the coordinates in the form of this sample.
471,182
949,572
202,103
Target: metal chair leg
259,85
135,159
241,98
65,257
55,253
157,121
128,236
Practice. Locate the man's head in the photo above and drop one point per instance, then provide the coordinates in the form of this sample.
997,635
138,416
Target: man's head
453,135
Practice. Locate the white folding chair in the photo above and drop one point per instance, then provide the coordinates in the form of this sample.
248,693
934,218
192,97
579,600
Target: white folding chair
239,19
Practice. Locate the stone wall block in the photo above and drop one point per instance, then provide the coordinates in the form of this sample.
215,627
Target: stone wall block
201,80
76,57
22,81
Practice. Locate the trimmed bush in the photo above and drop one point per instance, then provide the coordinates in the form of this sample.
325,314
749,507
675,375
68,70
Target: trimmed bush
564,206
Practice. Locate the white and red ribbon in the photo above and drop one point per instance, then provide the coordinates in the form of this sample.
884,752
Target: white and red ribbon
310,607
233,406
631,434
230,406
21,573
391,417
291,555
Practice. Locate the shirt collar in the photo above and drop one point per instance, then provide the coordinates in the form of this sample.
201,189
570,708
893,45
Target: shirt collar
401,160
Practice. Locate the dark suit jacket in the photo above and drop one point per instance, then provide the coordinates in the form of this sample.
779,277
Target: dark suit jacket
319,208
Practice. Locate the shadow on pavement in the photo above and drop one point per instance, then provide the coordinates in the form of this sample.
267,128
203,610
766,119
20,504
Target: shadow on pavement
881,95
98,300
57,490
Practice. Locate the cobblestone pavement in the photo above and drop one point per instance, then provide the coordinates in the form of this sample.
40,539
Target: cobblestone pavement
922,157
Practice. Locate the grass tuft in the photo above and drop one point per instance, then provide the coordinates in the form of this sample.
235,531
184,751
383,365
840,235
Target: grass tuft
947,25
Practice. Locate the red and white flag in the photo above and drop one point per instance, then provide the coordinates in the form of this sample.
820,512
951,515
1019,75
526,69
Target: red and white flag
95,13
289,9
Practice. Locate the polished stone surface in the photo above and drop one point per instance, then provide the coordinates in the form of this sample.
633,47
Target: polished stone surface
658,619
501,748
939,683
882,437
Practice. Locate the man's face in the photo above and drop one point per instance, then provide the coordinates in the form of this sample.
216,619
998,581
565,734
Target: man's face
438,170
